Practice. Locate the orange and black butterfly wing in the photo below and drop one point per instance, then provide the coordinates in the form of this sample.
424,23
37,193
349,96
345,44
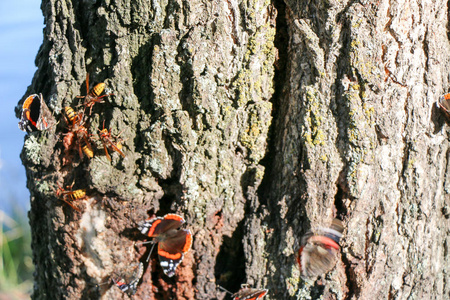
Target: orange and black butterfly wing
30,113
249,294
128,284
172,242
46,118
171,248
35,114
444,104
319,251
156,226
333,232
318,256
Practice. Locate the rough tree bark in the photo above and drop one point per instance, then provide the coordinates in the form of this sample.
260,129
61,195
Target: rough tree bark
255,121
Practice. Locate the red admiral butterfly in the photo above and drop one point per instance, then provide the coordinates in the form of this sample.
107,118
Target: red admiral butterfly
172,241
131,286
444,104
247,293
35,114
318,252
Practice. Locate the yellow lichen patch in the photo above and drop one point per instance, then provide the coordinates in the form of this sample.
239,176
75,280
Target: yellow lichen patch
355,87
307,138
254,136
368,111
360,141
244,85
319,138
312,133
260,56
259,173
354,44
411,163
292,283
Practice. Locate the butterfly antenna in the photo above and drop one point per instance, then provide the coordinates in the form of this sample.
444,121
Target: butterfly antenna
97,285
224,289
101,283
144,243
151,250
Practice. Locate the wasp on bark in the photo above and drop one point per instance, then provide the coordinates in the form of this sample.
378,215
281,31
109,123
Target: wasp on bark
68,196
77,132
107,141
94,95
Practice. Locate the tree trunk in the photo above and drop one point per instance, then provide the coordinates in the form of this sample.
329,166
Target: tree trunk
255,122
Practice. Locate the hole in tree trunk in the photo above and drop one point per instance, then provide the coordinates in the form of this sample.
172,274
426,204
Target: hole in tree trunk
230,262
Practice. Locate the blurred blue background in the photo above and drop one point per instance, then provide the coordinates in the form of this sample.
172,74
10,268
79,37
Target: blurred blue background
21,25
